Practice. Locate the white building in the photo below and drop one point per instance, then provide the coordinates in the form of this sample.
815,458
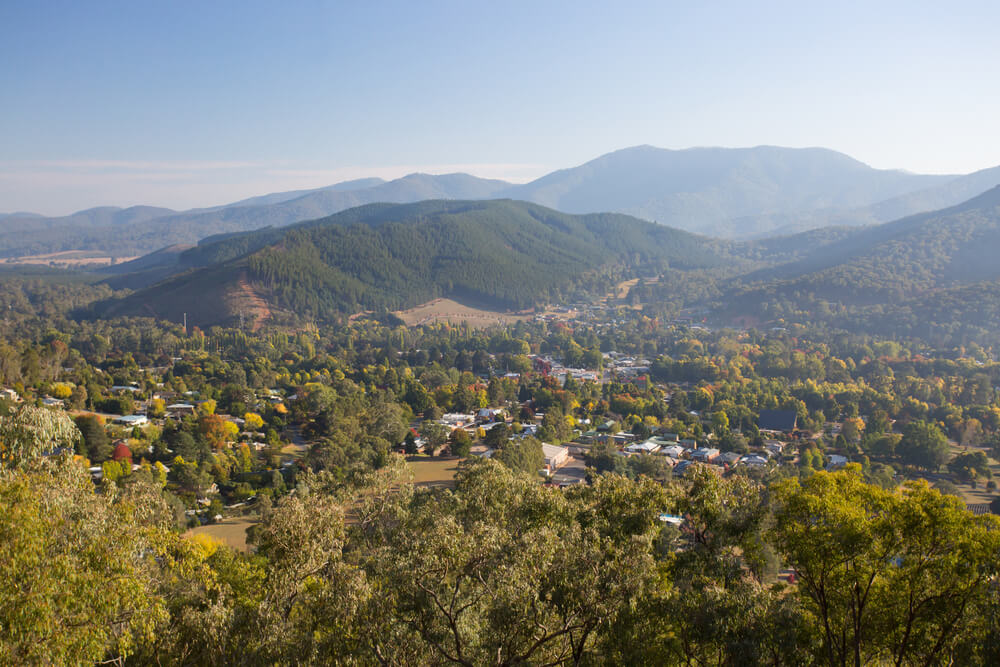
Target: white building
555,456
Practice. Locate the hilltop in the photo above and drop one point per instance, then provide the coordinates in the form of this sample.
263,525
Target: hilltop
729,192
503,254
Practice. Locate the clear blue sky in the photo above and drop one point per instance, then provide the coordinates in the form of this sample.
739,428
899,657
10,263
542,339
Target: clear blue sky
197,103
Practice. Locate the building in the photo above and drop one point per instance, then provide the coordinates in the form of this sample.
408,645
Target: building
673,451
729,458
836,462
705,454
555,456
132,420
647,447
753,460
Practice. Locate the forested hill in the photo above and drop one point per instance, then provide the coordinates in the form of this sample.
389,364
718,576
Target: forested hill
939,266
503,254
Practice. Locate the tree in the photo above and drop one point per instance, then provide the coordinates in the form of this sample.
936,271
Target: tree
213,430
434,434
84,564
497,436
923,445
524,455
889,576
554,426
503,572
460,442
970,465
32,431
96,444
852,429
720,423
605,457
157,407
252,421
410,443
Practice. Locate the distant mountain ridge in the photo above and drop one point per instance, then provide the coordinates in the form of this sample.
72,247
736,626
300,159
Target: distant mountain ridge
932,275
729,192
157,228
725,192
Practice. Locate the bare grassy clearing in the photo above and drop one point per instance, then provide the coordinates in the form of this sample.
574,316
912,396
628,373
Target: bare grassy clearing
453,312
232,532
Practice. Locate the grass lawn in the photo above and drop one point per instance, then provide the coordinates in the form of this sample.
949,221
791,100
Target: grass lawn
433,471
232,532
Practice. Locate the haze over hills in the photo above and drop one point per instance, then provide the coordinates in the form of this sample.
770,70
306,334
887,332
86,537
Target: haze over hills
501,253
726,192
165,227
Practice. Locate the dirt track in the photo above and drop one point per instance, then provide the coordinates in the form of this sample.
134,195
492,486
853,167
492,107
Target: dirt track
259,310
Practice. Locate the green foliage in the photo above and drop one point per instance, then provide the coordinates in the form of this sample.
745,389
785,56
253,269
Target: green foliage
31,432
924,445
523,455
502,254
96,444
84,566
889,576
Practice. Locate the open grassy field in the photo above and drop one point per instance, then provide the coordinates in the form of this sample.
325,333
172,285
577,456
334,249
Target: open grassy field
232,532
431,471
979,494
453,312
69,258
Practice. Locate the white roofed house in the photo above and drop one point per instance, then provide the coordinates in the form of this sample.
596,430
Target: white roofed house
132,420
555,456
647,447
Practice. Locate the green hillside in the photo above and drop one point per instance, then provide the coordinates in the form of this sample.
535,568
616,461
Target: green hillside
933,275
502,254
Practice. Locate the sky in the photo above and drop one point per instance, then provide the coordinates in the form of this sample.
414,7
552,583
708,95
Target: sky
185,104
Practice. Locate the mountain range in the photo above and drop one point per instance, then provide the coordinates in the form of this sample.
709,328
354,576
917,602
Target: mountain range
930,275
726,192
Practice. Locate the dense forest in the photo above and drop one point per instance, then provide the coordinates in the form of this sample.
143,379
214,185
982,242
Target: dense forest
503,254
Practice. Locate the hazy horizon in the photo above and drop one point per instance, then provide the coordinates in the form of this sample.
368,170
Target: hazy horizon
188,105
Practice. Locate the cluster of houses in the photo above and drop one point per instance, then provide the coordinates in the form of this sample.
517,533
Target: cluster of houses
681,453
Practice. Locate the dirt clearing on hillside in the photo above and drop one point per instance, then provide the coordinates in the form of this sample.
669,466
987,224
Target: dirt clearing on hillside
247,300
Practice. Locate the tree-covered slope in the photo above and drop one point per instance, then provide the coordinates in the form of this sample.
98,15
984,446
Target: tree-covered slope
504,254
935,271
